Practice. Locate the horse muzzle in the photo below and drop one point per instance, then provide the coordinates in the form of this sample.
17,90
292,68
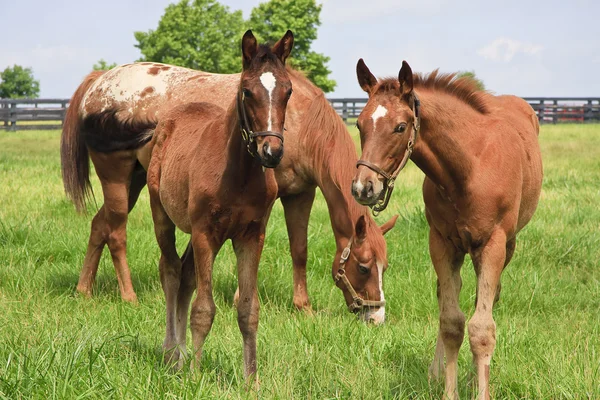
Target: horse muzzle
367,191
270,148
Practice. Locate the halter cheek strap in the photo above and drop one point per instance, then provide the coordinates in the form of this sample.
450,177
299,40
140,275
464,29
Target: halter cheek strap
390,179
358,303
247,134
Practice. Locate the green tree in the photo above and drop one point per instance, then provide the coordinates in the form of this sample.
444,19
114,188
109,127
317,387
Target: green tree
18,82
102,65
471,75
198,34
270,20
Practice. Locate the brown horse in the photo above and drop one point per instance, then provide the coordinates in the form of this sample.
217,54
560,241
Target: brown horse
483,168
106,115
207,177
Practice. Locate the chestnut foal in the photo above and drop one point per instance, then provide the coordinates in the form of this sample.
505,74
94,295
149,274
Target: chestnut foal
483,168
207,176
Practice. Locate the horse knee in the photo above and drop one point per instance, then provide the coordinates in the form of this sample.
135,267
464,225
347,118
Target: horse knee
482,335
452,327
202,315
117,240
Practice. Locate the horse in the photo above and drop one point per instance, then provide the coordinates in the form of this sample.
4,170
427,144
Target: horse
207,176
110,109
483,177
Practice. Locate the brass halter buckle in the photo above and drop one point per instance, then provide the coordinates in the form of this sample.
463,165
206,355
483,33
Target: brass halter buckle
390,179
247,134
358,303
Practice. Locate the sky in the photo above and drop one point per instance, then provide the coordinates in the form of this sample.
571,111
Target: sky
528,48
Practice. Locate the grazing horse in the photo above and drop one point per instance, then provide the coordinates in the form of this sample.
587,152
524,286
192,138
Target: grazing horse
483,168
207,177
109,111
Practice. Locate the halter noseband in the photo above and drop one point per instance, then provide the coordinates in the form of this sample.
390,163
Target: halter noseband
247,134
358,302
388,184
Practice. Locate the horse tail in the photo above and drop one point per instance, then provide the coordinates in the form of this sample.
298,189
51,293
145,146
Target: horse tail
74,157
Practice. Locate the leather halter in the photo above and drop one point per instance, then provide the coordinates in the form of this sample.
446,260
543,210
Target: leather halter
247,134
358,303
390,179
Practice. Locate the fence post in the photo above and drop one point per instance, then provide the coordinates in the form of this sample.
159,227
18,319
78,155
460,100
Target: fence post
345,111
555,114
541,111
13,116
3,105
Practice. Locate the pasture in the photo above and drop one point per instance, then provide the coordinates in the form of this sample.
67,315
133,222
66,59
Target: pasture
57,344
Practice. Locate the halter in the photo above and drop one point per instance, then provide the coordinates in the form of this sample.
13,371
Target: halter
388,184
247,134
358,303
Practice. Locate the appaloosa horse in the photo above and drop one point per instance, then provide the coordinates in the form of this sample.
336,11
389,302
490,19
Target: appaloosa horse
483,168
109,111
207,177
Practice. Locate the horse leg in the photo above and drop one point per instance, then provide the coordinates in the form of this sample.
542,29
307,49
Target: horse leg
91,261
170,271
510,250
97,239
297,212
447,261
436,369
115,171
489,260
248,249
187,286
203,306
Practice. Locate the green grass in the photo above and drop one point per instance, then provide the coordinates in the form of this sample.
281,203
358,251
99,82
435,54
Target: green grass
55,344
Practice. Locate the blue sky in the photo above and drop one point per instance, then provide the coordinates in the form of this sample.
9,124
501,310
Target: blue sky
527,48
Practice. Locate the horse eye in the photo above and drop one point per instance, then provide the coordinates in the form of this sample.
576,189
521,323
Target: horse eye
247,93
400,128
289,93
363,269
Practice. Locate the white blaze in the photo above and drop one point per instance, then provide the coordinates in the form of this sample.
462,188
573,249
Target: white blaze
268,81
379,316
380,111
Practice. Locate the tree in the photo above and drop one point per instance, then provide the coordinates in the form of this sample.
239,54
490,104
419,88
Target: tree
18,82
203,34
272,19
102,65
198,34
471,75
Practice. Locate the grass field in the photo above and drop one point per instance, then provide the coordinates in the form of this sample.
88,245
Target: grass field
56,344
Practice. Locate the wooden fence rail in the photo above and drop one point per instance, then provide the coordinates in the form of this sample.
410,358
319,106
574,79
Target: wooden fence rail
20,114
549,109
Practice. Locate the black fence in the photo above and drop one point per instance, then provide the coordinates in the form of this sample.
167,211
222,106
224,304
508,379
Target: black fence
21,114
549,109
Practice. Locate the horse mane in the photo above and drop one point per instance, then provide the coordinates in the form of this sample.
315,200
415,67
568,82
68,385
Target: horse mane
464,88
323,134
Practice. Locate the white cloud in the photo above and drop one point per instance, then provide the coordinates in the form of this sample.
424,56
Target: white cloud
504,49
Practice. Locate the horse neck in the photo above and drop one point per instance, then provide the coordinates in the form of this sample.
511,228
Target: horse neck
237,151
441,148
334,177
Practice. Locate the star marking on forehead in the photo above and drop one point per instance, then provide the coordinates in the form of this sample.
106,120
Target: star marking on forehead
380,111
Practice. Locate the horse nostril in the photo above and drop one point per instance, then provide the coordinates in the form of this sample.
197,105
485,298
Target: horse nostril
267,149
369,188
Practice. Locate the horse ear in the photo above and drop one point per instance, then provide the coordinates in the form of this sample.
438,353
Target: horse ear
405,77
249,48
385,228
283,47
360,230
366,80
